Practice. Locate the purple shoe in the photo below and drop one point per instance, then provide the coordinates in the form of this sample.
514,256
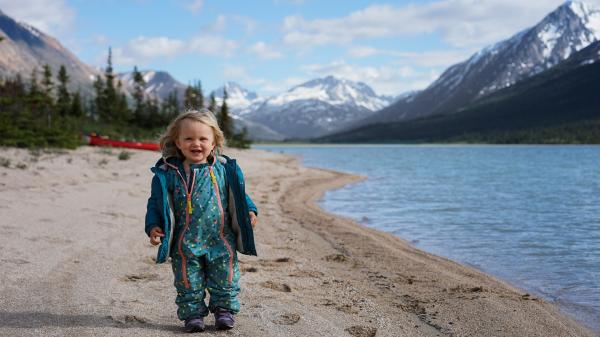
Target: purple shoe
194,324
224,319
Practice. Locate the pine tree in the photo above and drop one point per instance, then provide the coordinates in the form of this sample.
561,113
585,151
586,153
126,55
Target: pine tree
138,96
170,107
223,118
76,109
154,117
47,87
190,99
109,110
63,101
200,94
98,106
212,105
122,113
34,95
33,83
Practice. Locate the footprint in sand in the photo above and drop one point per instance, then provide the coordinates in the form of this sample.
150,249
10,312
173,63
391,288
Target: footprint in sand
362,331
15,261
307,273
336,258
277,286
287,319
140,277
249,269
347,309
128,319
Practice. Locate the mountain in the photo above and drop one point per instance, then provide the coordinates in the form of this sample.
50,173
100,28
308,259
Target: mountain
317,107
159,84
559,105
240,100
25,48
568,29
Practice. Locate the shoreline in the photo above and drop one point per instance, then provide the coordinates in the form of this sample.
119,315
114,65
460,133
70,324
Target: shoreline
91,271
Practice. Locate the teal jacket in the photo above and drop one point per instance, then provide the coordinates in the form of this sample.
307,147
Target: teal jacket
159,212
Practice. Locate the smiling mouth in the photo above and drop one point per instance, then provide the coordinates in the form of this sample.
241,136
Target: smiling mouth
197,151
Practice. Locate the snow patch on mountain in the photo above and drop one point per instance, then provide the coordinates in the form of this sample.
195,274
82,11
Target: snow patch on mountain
318,107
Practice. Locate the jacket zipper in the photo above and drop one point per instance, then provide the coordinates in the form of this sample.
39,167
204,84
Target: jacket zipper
222,231
188,212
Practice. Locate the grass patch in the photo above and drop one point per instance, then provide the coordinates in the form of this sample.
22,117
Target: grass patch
124,155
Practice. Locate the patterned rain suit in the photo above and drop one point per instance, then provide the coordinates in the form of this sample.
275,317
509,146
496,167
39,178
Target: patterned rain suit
206,231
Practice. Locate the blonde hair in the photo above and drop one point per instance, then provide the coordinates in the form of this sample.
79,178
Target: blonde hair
168,147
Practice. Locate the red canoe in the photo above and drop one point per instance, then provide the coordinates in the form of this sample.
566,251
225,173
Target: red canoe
102,141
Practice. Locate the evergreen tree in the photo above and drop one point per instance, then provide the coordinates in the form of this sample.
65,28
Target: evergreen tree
170,107
223,118
47,85
122,113
138,96
98,106
109,111
154,117
200,94
33,83
76,109
190,99
63,101
212,105
47,99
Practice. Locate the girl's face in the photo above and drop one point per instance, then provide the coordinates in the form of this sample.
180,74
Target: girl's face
196,140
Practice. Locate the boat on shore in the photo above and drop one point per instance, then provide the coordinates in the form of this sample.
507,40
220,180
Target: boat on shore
97,140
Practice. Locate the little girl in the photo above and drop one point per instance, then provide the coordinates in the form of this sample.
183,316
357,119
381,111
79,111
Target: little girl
200,214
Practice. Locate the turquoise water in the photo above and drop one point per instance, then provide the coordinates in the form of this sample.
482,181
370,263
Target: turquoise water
527,214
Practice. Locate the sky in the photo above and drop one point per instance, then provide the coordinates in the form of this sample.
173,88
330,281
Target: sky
269,46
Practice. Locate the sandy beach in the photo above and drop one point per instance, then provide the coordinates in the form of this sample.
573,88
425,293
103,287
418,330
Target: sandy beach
75,261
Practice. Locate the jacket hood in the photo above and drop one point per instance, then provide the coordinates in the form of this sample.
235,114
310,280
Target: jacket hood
176,161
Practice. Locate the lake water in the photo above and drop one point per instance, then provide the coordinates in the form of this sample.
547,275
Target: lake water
527,214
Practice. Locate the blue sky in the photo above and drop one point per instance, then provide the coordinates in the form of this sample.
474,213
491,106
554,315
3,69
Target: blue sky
269,46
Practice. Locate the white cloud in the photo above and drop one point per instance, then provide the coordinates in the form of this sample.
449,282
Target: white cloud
194,6
218,26
247,23
213,45
120,57
50,16
236,72
363,51
154,47
386,79
433,58
265,51
461,23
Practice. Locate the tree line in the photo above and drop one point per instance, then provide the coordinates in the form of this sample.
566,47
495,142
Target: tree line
43,112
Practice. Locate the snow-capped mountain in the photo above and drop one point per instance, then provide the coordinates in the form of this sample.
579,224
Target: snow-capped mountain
318,106
568,29
25,48
240,100
159,84
557,105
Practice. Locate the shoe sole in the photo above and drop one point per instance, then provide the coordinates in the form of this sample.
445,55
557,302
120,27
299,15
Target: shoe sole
223,327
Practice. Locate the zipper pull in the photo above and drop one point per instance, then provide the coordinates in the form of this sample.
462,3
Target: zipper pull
212,176
189,206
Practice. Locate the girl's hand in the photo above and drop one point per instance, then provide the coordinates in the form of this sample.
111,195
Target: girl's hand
253,219
155,235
